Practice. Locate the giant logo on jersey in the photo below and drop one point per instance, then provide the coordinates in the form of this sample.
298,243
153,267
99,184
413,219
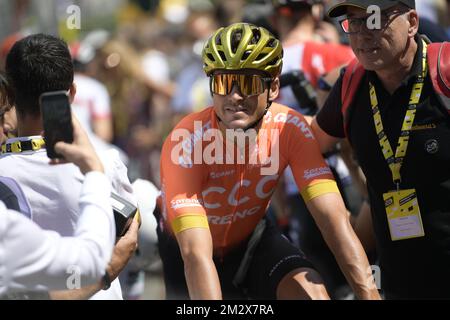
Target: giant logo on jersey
290,119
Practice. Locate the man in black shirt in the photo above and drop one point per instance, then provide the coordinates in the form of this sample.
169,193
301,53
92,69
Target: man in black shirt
400,133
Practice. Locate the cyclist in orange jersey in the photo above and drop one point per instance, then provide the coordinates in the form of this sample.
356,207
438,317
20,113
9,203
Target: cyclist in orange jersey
219,168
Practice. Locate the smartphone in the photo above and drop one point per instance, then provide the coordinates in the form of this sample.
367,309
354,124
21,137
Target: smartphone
57,120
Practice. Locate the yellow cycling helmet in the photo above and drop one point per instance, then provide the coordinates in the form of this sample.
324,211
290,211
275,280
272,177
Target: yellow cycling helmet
243,46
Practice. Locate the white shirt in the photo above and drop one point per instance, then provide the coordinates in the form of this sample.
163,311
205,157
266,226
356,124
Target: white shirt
91,102
429,9
53,192
34,259
292,60
155,66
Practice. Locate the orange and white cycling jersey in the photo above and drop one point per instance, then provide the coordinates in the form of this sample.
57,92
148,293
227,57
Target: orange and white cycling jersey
207,183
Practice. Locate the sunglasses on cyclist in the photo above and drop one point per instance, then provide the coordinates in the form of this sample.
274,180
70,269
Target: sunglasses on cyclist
249,85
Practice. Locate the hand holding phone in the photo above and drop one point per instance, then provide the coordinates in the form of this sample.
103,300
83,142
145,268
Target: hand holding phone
57,120
81,152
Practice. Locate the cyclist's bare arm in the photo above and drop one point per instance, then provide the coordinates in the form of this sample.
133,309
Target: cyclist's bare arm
315,182
201,274
326,142
331,217
183,186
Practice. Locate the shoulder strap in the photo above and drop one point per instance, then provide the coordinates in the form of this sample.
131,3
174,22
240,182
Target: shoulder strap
350,84
439,66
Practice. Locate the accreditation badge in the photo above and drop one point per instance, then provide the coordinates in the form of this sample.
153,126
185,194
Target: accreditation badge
403,213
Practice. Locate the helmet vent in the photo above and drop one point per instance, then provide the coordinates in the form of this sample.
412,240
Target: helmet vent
222,56
273,62
211,57
218,41
271,43
256,36
236,38
261,56
245,55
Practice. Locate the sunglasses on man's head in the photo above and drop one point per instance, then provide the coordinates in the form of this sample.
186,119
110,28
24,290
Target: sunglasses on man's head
249,85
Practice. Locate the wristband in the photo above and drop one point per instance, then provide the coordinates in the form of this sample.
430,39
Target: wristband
106,281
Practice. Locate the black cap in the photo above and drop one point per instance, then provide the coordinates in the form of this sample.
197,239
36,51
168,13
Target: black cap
294,4
341,8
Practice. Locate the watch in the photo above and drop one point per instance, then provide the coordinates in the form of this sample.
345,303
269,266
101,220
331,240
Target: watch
106,281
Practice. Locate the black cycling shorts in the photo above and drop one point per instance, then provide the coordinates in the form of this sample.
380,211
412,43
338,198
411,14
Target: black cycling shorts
274,257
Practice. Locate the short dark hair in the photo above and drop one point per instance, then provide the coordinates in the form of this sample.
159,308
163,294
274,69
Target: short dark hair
4,92
36,64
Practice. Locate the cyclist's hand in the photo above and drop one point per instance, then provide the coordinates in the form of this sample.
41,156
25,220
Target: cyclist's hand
80,152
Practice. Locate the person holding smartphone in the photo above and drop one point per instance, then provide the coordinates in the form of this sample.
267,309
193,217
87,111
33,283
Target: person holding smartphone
88,252
36,65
